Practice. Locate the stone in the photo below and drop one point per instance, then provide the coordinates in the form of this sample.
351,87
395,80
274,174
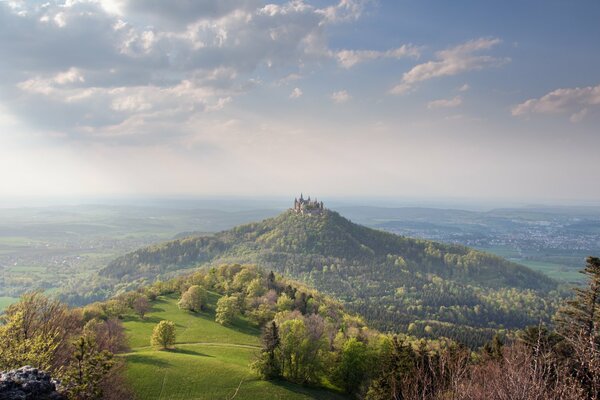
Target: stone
28,383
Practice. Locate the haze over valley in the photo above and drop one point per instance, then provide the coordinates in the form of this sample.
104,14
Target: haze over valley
299,199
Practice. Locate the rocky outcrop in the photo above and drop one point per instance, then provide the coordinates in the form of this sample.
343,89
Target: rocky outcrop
28,383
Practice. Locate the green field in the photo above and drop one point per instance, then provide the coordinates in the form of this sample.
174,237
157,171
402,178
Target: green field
210,361
555,271
6,301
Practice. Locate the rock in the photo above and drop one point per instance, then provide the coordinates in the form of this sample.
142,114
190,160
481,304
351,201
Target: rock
28,383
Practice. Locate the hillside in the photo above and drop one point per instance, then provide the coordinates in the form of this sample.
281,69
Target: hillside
210,361
397,283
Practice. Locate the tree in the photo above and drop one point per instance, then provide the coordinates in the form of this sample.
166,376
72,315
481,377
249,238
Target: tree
108,335
396,364
300,349
260,315
163,335
194,299
493,349
18,349
267,365
227,307
84,376
582,314
37,318
271,285
141,305
579,324
284,303
353,366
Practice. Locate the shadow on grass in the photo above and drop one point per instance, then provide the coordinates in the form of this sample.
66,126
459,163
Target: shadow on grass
189,352
312,391
148,360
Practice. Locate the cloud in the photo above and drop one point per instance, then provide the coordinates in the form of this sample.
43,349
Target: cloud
340,97
181,12
578,116
131,67
574,101
445,103
449,62
296,93
349,58
345,10
464,88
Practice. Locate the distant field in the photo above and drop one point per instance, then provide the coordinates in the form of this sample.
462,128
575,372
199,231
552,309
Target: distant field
210,361
6,301
555,271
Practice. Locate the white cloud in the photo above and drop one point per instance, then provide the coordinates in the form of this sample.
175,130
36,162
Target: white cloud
578,116
340,97
445,103
349,58
574,101
70,76
452,61
135,64
296,93
345,10
464,88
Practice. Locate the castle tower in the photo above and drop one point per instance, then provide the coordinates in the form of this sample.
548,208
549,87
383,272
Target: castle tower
307,206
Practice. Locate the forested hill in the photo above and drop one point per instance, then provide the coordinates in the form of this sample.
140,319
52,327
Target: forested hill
397,283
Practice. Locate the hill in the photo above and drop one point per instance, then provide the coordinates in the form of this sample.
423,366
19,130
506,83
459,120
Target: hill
209,361
397,283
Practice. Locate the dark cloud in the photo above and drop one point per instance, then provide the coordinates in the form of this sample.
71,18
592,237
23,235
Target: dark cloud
175,13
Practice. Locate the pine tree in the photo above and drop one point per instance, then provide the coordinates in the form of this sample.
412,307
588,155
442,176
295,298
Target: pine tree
493,348
396,364
579,324
582,315
269,367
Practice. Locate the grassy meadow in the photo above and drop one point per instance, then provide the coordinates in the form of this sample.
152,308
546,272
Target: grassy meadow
6,301
210,361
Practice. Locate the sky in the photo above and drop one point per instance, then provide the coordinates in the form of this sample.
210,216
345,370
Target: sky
419,99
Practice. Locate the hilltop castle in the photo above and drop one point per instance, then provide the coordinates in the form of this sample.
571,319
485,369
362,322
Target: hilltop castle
307,206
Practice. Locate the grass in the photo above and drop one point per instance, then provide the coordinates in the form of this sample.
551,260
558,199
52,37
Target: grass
555,271
560,272
7,301
209,361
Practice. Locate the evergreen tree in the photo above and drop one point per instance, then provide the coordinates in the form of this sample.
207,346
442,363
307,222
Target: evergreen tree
271,281
395,365
267,364
579,324
493,348
582,314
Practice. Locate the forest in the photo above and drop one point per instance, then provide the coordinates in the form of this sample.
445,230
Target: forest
308,338
399,284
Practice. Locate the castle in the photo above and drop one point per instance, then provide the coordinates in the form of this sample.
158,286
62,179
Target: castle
307,206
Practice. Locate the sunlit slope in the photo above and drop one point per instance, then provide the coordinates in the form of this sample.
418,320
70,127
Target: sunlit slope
297,244
398,284
210,361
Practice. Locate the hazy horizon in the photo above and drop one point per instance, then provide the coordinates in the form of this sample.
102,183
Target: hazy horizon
241,202
486,102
